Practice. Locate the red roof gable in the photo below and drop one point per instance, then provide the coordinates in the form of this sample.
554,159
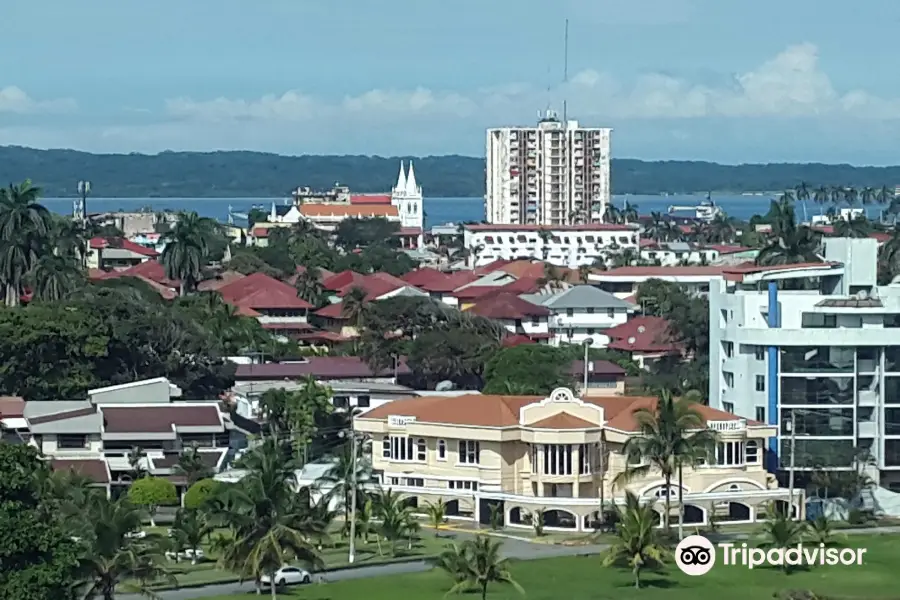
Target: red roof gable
370,199
508,306
375,285
341,280
643,334
422,277
491,267
149,269
99,243
259,291
332,311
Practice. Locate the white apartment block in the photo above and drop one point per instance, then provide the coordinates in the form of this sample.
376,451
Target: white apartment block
553,174
819,344
569,246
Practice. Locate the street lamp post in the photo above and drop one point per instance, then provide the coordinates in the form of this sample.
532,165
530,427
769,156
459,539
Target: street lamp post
587,344
84,190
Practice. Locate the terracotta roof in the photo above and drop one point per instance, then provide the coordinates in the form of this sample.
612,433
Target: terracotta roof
492,266
643,334
736,273
332,311
98,274
259,292
348,210
246,311
503,411
508,306
320,367
340,280
370,199
260,232
99,243
150,269
422,277
552,228
563,420
222,279
94,469
159,419
165,291
11,407
516,340
431,280
674,271
375,285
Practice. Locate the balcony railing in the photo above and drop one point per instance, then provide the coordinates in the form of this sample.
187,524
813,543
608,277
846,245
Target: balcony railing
734,425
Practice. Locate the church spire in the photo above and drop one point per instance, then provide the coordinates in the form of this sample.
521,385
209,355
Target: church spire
411,188
401,179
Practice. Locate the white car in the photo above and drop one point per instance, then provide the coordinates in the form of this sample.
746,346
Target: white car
136,535
287,575
189,554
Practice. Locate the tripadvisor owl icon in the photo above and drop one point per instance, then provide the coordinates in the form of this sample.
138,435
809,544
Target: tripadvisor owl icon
695,555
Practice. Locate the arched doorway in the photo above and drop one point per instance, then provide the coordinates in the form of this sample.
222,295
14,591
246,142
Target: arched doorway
562,519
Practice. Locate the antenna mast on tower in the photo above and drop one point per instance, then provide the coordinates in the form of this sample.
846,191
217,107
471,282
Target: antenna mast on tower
566,74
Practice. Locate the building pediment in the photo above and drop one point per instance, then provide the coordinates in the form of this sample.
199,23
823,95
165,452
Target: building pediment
561,408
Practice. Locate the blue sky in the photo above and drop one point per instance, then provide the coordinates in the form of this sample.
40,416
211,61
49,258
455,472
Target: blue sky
725,80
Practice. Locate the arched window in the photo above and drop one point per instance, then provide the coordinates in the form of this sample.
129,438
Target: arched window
420,449
442,450
734,487
751,449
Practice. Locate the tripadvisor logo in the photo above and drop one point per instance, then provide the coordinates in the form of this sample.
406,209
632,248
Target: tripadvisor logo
695,555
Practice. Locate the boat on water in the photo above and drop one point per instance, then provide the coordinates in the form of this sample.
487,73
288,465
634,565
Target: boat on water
705,210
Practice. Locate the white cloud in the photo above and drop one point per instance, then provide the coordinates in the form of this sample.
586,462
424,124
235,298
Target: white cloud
15,100
789,85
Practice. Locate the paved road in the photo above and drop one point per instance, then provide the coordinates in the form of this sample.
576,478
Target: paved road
512,548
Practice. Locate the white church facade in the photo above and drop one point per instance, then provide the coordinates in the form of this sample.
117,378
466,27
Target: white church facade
404,205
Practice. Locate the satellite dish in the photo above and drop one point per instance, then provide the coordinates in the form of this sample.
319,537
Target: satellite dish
631,340
445,386
642,329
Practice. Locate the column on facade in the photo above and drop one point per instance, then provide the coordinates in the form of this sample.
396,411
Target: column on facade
576,469
539,452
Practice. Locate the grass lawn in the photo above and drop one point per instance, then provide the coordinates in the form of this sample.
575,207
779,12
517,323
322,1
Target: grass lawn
335,555
576,578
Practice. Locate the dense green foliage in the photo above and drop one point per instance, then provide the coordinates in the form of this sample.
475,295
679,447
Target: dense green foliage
261,175
37,560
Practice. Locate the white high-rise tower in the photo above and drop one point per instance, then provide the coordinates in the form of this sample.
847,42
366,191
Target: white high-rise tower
407,197
553,174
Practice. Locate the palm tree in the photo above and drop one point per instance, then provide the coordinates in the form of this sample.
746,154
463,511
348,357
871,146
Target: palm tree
68,238
186,249
111,558
270,521
453,561
545,236
190,465
481,566
789,243
584,274
309,286
821,531
135,462
672,435
822,196
341,474
24,229
802,194
636,545
437,515
850,196
856,227
354,307
53,277
189,530
782,531
394,515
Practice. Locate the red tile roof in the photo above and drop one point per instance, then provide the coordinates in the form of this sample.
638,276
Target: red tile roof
563,420
332,311
643,334
159,419
222,279
94,469
508,306
320,367
370,199
99,243
431,280
479,410
150,269
259,292
345,211
375,285
260,232
597,367
340,280
492,266
516,340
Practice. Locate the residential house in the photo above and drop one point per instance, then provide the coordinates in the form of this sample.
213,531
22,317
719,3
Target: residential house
645,338
604,378
322,368
274,303
582,313
515,315
116,254
559,454
377,286
96,436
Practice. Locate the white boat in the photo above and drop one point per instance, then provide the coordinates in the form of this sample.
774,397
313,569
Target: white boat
705,210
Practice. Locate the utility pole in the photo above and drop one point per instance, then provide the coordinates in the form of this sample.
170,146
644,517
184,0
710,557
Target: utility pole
352,554
793,432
